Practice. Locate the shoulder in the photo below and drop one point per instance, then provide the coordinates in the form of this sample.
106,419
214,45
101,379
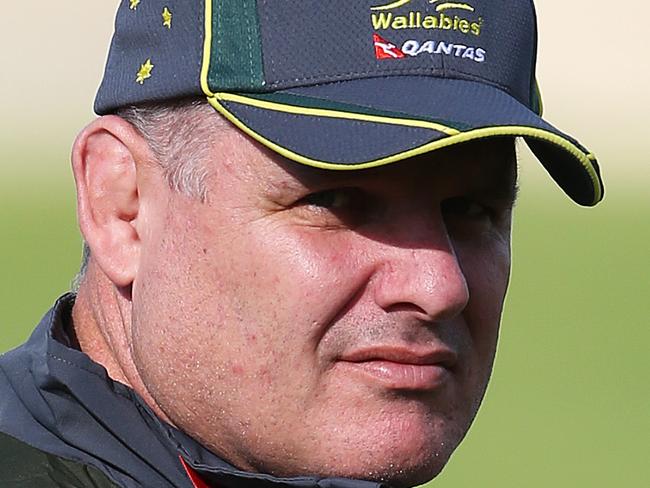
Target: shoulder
22,466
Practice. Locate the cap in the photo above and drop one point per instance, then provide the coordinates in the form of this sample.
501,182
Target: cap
343,84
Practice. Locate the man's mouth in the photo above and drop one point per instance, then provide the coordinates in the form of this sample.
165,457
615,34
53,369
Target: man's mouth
402,368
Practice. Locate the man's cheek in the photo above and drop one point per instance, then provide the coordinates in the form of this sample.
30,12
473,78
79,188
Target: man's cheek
486,266
487,271
307,272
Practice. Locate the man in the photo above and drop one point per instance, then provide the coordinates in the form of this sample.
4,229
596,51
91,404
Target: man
297,218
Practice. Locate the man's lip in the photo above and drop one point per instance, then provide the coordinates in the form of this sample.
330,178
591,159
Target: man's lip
402,368
438,356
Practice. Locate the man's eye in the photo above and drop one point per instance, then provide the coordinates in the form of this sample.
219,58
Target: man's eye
330,199
348,207
465,208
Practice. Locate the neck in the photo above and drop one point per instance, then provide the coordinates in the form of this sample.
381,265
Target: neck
102,318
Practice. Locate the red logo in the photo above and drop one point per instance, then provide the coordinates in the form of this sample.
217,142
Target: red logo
385,49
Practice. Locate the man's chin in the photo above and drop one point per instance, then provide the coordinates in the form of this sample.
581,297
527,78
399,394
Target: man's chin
391,474
403,457
408,450
408,476
419,469
399,461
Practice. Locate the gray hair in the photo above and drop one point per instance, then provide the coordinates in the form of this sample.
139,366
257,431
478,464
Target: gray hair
180,135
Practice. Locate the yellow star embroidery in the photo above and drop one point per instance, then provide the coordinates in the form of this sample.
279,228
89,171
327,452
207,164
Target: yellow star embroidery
167,18
144,72
134,4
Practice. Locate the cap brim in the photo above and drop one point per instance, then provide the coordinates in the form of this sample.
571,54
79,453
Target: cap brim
372,122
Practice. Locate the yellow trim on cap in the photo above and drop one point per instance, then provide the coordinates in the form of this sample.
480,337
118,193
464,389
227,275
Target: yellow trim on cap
334,114
207,49
455,137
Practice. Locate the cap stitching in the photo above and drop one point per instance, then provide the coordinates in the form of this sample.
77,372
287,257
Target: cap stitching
216,58
249,47
266,114
115,386
416,71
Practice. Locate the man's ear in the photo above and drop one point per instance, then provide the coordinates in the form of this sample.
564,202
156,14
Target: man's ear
105,160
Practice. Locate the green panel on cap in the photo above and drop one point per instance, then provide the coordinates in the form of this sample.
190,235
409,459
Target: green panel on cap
236,54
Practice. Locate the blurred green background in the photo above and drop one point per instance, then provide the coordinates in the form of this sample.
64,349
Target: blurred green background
569,403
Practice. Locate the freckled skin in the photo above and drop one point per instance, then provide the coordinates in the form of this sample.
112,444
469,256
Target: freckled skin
249,300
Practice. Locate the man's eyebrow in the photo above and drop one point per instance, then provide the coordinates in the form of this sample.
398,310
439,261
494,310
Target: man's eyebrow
287,185
301,177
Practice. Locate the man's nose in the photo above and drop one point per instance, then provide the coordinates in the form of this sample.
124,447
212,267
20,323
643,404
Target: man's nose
420,272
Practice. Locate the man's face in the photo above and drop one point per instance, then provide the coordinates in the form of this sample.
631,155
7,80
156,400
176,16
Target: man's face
333,323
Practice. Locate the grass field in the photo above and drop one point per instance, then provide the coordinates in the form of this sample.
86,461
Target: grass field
569,402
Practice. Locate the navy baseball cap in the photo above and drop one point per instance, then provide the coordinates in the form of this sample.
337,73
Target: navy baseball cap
348,84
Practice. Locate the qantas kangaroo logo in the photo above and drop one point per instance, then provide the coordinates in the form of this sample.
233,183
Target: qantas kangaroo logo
385,49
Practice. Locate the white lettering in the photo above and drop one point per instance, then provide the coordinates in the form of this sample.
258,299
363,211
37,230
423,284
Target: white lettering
444,48
427,47
469,53
411,48
414,48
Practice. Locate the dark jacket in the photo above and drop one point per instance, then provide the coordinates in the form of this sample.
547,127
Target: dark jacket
65,423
